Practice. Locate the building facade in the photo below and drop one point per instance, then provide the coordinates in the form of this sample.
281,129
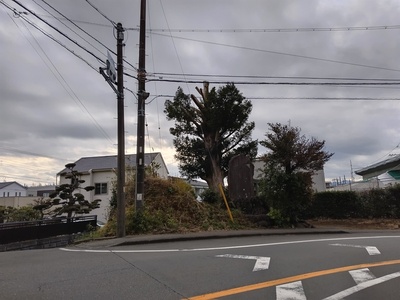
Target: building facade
101,172
12,189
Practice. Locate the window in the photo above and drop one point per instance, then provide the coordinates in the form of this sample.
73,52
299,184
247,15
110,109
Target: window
100,188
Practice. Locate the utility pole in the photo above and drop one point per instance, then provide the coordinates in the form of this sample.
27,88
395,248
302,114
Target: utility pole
111,78
142,96
121,135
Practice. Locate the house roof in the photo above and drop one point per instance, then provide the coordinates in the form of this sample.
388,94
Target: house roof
382,166
85,164
5,184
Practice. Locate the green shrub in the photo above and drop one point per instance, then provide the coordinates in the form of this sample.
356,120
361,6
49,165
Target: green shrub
255,206
336,205
374,203
211,197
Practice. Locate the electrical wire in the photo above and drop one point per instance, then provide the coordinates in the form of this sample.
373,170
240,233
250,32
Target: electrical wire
70,91
69,20
59,31
324,98
282,83
155,88
22,15
283,30
101,13
173,43
280,53
163,74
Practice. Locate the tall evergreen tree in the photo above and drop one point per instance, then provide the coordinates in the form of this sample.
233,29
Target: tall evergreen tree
210,130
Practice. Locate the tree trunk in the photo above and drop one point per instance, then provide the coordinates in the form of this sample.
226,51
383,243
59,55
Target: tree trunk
216,177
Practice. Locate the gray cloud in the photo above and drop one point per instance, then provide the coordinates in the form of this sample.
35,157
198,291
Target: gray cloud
55,108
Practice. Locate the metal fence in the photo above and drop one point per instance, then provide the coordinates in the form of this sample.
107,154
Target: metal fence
33,230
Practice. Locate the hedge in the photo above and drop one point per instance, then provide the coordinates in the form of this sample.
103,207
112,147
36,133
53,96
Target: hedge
375,203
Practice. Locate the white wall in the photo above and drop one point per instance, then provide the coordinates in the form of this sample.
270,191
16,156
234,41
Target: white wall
90,180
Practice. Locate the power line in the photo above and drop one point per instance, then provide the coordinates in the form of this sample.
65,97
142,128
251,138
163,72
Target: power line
101,13
101,130
265,30
281,53
282,83
80,28
22,15
324,98
66,18
162,74
59,31
30,153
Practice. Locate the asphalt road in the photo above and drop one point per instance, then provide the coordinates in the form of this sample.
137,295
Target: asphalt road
364,265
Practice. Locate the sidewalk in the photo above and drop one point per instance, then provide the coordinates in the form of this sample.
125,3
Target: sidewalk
217,234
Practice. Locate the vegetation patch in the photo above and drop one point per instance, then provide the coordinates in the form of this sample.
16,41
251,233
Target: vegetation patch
171,207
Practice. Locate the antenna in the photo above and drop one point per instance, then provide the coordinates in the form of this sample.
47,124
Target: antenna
351,171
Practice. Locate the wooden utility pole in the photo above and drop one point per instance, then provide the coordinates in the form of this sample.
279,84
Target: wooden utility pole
121,135
142,96
111,76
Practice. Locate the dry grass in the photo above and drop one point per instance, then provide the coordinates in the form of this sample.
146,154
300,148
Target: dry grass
171,207
356,223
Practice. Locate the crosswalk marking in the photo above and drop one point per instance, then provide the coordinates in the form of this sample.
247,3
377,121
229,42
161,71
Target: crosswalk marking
362,286
362,275
290,291
363,278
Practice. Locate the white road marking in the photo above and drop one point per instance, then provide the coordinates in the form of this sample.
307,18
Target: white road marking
370,249
290,291
262,263
362,286
362,275
228,247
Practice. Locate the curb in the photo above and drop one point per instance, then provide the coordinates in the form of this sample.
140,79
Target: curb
206,235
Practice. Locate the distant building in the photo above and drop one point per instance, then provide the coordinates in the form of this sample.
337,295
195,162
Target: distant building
318,178
198,186
379,175
389,165
12,189
100,172
43,191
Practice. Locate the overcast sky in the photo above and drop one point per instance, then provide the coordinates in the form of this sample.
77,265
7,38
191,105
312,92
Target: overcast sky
57,108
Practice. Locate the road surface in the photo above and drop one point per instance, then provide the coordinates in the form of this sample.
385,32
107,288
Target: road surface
364,265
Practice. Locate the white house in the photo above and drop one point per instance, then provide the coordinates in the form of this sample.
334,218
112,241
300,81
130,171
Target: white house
318,178
12,189
101,172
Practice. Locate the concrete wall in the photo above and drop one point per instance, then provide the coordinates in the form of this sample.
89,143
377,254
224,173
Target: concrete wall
17,202
52,242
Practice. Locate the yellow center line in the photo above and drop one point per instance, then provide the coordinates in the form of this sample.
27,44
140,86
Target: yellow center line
275,282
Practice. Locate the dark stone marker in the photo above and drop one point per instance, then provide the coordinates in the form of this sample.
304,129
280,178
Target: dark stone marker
240,178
